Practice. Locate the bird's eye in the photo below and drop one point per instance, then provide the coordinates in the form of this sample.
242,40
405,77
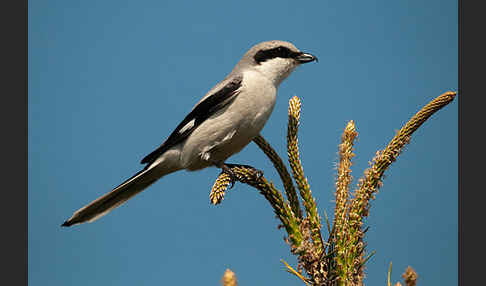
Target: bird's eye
277,52
282,52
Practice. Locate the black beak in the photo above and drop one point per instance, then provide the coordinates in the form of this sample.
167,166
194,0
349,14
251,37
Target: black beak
305,58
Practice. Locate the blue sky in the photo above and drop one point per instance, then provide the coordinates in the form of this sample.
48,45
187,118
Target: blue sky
109,80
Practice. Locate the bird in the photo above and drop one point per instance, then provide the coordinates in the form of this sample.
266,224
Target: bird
220,125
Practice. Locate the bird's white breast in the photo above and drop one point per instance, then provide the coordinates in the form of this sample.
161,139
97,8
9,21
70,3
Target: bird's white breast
229,130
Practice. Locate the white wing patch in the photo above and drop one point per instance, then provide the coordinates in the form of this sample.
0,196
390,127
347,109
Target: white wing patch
189,125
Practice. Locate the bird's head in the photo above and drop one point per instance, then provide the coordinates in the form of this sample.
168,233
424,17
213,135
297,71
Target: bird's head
275,59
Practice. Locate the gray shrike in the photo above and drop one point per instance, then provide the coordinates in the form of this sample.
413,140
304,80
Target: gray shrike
222,123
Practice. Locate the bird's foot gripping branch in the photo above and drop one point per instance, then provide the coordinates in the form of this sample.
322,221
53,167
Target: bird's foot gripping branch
339,259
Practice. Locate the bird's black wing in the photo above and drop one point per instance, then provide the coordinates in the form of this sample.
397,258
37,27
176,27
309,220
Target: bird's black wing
219,99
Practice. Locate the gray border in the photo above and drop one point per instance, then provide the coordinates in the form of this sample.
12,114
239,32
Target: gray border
13,120
471,150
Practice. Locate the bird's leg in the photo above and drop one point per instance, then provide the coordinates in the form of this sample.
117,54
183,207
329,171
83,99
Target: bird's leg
227,169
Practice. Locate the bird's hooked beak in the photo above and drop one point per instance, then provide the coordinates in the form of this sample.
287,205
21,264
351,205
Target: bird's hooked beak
303,58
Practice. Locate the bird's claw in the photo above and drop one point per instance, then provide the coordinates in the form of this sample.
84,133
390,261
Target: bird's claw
231,174
227,169
258,174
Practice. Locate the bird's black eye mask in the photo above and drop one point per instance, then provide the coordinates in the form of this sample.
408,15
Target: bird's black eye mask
278,52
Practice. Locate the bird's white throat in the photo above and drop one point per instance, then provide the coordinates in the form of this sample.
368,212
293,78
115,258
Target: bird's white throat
277,69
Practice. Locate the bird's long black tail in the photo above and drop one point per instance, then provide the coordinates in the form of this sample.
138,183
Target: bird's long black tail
113,199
